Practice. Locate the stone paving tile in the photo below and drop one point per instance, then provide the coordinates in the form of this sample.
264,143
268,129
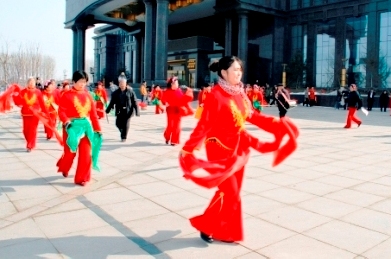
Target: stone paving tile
255,229
7,208
295,219
287,195
381,251
302,247
314,187
30,248
380,222
347,236
328,207
354,197
347,179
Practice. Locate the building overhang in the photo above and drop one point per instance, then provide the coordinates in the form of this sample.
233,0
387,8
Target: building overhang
128,13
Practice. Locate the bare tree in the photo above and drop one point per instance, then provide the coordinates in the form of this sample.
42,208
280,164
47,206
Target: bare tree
5,62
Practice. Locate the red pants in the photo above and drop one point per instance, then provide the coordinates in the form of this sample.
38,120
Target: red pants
100,109
84,163
223,218
53,120
30,125
352,117
173,130
158,109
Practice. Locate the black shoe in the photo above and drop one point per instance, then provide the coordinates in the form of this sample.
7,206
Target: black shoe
166,142
28,150
206,238
173,145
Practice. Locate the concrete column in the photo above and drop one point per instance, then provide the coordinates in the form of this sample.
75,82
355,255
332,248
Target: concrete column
74,51
148,43
311,54
243,40
278,49
340,49
136,60
161,42
372,78
228,36
80,47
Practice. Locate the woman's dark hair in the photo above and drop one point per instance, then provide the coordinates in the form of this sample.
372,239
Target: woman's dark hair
170,81
224,63
80,74
46,85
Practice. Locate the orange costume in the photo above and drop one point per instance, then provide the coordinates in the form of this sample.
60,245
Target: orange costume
76,106
222,130
156,97
28,100
51,100
177,106
101,101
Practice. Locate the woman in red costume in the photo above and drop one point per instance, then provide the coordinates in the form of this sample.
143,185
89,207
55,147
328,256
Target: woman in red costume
203,94
30,99
101,100
156,97
257,98
222,130
76,111
177,106
65,87
51,99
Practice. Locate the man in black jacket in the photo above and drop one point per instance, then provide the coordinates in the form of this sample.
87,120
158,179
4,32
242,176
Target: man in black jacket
124,100
354,103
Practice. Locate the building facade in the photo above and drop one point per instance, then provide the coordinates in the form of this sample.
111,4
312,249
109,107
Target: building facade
312,41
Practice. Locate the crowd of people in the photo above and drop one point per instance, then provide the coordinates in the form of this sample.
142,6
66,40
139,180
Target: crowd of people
71,113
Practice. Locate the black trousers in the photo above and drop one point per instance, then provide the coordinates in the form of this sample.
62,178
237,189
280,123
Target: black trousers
370,104
122,122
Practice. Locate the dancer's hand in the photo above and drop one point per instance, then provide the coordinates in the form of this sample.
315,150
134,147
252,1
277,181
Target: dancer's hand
183,153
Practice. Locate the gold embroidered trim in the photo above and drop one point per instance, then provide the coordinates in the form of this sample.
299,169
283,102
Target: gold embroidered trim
30,101
238,117
83,110
221,198
218,142
48,101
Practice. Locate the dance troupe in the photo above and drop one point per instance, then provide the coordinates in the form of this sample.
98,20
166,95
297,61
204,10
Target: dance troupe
222,115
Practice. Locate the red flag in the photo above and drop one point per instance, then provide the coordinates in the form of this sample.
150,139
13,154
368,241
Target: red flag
6,98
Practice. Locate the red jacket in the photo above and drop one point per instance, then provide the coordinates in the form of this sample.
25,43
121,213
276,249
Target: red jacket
51,100
175,100
30,99
78,104
101,93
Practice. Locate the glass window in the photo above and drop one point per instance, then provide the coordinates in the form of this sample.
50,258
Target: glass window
294,4
299,47
325,54
356,49
318,2
306,3
385,50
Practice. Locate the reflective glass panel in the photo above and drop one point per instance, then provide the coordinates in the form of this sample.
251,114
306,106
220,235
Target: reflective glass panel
356,49
385,50
325,54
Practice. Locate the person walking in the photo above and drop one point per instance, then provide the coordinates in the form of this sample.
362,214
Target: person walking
124,100
370,99
354,103
384,101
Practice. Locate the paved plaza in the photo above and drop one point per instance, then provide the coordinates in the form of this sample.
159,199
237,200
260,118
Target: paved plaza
330,199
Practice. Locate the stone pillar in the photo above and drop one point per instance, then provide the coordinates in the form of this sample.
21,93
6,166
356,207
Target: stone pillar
340,43
243,41
136,60
74,51
278,49
79,52
161,46
228,37
311,54
148,43
372,78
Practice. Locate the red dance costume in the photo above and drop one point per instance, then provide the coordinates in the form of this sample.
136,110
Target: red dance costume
77,104
157,94
177,106
51,100
29,99
222,130
101,102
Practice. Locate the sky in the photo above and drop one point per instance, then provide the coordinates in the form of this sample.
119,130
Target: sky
41,22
